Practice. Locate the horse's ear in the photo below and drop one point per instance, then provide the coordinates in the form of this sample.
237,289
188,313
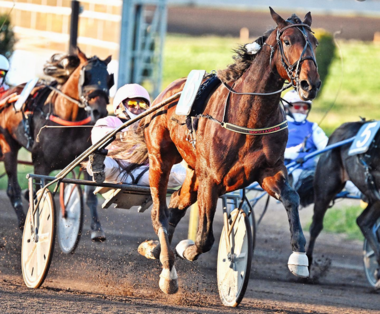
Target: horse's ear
278,19
82,57
308,19
108,59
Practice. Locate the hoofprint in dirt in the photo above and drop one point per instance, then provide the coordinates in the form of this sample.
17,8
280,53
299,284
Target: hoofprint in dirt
112,277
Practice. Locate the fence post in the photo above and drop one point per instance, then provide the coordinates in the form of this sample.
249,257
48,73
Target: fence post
193,222
74,26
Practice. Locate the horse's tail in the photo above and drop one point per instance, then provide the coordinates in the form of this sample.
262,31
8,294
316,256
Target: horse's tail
131,146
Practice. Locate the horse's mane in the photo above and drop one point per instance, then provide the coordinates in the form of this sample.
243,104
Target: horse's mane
243,59
60,66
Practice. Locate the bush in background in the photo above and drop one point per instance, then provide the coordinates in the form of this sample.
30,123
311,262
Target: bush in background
325,53
7,36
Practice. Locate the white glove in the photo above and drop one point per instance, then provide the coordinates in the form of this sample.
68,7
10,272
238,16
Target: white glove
292,152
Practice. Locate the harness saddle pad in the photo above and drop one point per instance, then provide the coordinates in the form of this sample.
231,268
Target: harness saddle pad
189,92
364,138
25,93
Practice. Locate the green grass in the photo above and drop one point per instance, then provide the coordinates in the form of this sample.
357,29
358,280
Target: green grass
342,220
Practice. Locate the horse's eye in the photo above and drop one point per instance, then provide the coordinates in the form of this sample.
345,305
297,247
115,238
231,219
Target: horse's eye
287,42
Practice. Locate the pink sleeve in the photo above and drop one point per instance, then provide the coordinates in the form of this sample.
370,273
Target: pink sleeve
104,126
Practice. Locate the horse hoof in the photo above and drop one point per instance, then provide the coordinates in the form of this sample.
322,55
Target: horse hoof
182,246
298,264
168,281
147,249
98,236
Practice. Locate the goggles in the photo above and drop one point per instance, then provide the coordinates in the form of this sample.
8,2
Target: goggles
298,107
2,73
135,103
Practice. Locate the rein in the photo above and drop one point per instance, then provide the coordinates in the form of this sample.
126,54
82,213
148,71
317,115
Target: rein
296,67
64,124
73,100
247,131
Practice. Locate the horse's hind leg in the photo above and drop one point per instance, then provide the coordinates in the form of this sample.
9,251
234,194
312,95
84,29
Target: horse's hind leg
179,202
274,181
13,189
365,222
97,233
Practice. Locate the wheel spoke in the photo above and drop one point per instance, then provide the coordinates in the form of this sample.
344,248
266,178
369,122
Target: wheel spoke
31,254
43,237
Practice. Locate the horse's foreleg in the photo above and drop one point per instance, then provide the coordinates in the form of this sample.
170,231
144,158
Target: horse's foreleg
324,193
13,189
158,178
97,233
207,202
325,190
181,200
277,186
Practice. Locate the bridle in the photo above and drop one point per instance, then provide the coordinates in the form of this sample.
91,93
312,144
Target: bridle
95,85
292,70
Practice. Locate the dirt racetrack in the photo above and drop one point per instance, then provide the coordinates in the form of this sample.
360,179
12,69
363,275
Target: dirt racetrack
112,277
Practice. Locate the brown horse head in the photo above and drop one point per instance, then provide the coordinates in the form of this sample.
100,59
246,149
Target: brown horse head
87,83
296,51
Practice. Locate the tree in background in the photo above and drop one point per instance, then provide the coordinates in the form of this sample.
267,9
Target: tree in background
7,36
325,53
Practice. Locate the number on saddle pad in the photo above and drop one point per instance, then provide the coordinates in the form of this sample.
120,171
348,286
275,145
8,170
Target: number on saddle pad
364,138
189,92
25,93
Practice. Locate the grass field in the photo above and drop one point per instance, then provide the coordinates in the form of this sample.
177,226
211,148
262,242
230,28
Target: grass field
342,220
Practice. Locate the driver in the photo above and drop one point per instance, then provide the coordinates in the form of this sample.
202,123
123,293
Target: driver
4,68
130,101
304,138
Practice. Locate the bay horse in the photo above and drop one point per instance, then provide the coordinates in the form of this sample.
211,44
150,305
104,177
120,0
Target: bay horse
334,168
222,161
80,97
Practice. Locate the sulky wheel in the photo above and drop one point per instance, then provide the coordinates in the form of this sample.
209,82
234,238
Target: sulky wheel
234,259
252,222
38,241
70,218
369,257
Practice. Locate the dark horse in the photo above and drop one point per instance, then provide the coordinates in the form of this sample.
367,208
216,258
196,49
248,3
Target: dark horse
334,168
83,99
222,160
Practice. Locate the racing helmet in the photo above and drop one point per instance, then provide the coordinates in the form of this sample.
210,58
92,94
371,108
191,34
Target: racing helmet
289,99
292,97
4,63
130,91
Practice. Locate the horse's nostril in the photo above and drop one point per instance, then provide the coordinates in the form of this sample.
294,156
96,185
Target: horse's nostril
304,85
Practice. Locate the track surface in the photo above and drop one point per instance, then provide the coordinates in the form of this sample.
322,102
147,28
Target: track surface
112,277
